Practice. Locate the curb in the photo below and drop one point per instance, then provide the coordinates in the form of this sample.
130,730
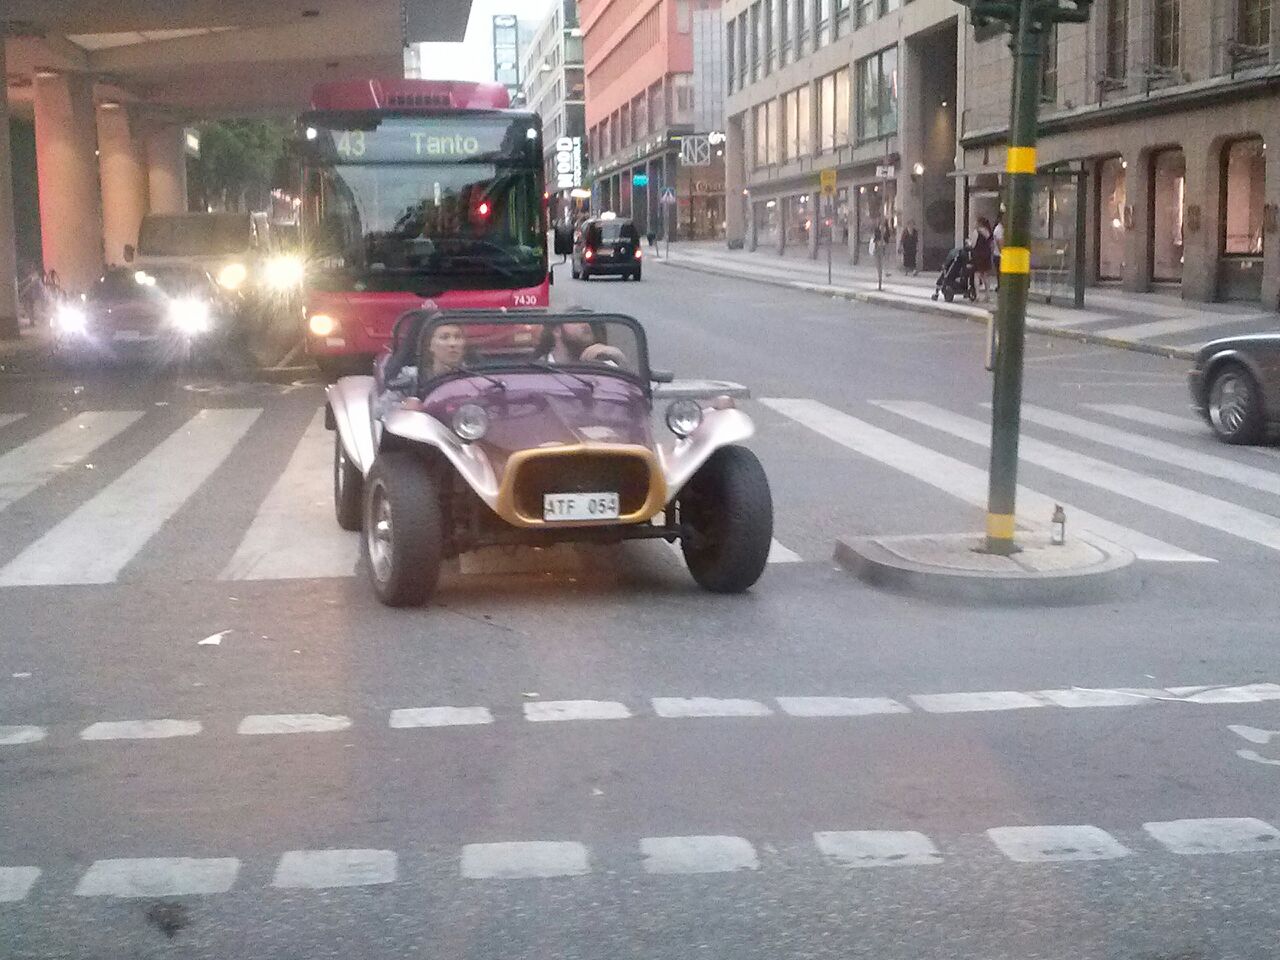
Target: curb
871,561
974,314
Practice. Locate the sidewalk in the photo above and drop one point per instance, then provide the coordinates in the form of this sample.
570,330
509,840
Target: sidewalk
1150,322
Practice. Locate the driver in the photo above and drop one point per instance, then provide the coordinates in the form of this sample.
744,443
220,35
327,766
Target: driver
575,342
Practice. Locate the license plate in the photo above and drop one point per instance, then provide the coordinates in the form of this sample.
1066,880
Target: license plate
580,506
133,335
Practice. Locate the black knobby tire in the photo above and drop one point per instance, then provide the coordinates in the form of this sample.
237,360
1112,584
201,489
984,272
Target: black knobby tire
728,510
1235,404
403,560
348,487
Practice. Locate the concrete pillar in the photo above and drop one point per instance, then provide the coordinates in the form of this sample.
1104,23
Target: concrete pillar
70,208
1137,208
123,170
1200,227
166,169
8,251
1271,238
734,181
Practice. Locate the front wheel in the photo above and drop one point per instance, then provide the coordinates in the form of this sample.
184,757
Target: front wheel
947,295
1235,405
402,530
726,511
348,487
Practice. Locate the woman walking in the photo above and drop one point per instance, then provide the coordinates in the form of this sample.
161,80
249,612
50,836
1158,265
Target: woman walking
983,256
909,246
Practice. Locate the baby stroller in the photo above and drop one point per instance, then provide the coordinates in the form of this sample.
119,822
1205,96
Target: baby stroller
957,275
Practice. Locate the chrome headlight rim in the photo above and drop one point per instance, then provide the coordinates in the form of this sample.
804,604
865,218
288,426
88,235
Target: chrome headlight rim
683,416
470,422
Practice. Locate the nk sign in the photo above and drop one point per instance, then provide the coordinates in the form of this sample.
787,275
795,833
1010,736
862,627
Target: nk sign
568,163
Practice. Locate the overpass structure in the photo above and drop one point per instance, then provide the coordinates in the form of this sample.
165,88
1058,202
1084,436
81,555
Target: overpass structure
110,85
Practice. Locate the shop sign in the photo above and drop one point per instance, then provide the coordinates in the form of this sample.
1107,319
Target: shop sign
568,163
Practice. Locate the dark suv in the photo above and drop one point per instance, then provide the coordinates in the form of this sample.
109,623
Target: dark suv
607,247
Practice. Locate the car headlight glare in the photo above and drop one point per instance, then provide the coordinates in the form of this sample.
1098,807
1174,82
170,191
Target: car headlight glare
285,272
322,325
189,314
70,319
683,417
232,276
470,422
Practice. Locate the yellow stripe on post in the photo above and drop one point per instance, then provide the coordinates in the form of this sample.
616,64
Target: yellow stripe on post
1021,160
1015,260
1000,526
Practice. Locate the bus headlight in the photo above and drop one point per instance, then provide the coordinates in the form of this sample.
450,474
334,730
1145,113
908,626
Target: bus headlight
190,315
322,325
70,319
285,272
232,276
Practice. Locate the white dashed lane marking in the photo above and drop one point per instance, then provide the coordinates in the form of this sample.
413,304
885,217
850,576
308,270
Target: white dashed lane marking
975,702
293,723
713,854
440,717
16,883
1216,835
575,710
22,733
708,707
524,860
158,877
140,729
877,848
1053,843
321,869
840,706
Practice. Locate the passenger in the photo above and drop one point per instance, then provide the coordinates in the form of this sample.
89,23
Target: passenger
446,349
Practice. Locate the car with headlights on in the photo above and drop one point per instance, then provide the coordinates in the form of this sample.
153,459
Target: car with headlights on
1235,386
454,444
171,313
607,246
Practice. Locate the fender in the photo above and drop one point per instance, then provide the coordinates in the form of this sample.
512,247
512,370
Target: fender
719,428
468,459
349,401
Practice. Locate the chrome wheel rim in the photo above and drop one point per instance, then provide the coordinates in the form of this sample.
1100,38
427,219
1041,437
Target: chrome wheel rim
1229,405
380,535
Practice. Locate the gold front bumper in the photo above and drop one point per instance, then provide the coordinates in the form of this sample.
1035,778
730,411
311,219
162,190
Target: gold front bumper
631,471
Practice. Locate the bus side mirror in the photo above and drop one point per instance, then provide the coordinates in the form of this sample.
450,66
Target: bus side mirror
129,253
563,240
551,275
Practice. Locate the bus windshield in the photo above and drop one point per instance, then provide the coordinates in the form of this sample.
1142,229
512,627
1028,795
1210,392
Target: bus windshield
406,214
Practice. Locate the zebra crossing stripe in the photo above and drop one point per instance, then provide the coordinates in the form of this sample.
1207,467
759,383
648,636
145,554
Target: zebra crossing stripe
294,534
96,541
34,463
16,883
1153,418
958,478
1256,478
1250,525
1178,325
8,418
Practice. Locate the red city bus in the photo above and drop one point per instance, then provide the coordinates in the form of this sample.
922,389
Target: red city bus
415,189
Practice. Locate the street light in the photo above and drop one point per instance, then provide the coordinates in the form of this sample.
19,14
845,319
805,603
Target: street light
918,169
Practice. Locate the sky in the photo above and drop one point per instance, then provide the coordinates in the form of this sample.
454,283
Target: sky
472,59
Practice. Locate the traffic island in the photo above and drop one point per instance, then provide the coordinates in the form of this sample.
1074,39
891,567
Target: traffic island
950,567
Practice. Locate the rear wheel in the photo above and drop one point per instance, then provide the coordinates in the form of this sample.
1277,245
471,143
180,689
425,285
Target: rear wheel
1235,404
573,271
636,276
402,530
348,487
584,274
727,512
948,295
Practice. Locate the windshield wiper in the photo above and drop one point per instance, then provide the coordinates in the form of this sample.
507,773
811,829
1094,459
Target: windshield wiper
553,368
471,371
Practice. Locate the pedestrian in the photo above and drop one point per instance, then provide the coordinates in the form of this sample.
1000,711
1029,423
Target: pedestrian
997,236
909,247
881,237
983,256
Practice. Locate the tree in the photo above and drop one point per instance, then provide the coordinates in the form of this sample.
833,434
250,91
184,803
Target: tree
237,161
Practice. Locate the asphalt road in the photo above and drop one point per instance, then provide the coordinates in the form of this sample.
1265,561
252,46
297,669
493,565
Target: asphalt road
815,769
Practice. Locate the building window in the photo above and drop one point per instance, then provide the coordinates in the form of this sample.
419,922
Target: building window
757,38
624,118
784,31
1244,176
684,20
770,39
657,107
1168,33
802,27
1254,23
866,12
1117,40
1111,201
771,115
794,141
878,95
833,110
742,50
761,117
640,116
823,25
730,49
884,7
1049,65
682,87
1168,193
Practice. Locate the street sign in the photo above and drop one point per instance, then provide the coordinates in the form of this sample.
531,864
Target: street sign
695,151
668,197
885,171
640,180
827,179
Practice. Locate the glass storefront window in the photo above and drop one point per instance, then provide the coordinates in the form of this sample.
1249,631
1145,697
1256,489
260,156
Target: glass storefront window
1111,200
1168,185
1244,177
767,218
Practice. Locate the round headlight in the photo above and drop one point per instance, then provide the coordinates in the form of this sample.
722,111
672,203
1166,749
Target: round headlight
70,319
470,422
285,272
683,417
232,275
189,314
321,324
